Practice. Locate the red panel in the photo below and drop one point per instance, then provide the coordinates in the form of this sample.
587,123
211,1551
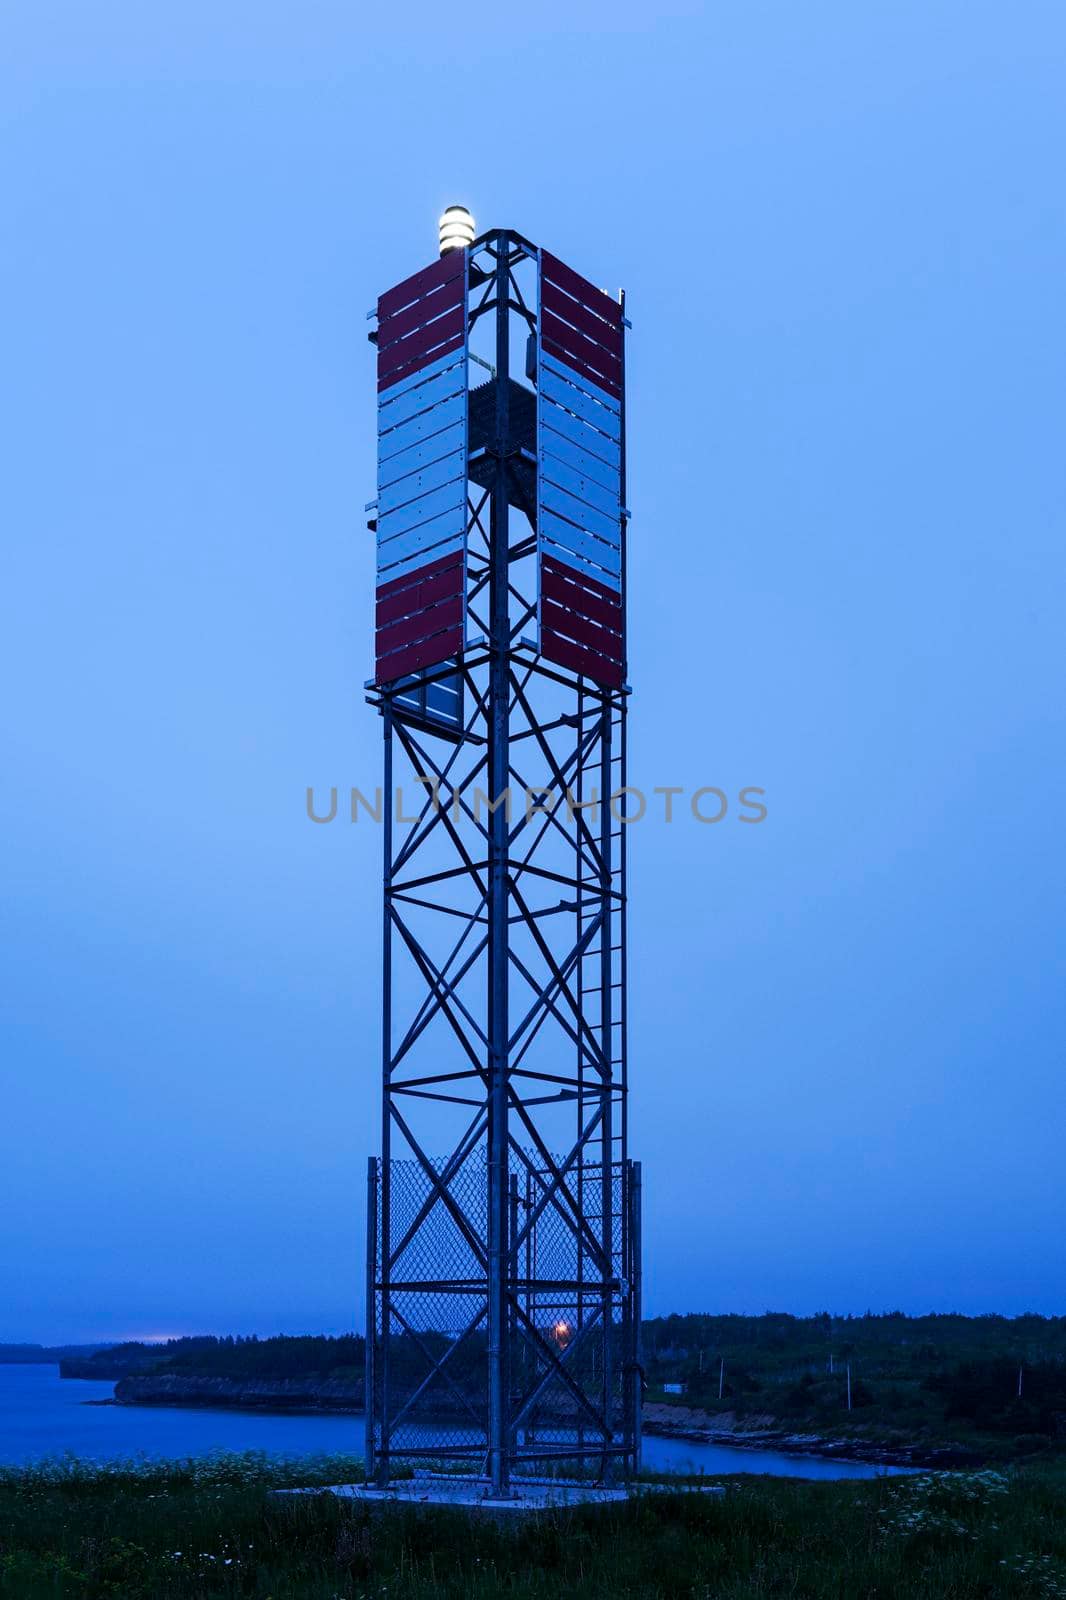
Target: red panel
580,660
442,586
557,619
422,625
580,368
431,305
407,352
422,361
427,654
593,355
434,592
413,288
553,299
588,629
580,592
559,273
408,580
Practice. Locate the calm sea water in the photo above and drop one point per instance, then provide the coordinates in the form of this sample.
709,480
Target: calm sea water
42,1414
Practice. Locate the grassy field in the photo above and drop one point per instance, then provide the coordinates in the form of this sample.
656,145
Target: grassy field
205,1529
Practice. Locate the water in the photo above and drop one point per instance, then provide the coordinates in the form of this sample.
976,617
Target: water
42,1414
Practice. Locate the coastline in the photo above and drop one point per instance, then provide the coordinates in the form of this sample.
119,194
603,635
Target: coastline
306,1395
702,1427
309,1397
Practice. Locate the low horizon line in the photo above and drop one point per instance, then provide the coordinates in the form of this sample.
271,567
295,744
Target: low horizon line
327,1333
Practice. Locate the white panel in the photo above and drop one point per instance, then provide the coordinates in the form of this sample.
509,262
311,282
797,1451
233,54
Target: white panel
572,399
559,369
555,531
411,539
422,396
584,437
580,461
447,414
587,489
452,496
449,469
576,511
421,452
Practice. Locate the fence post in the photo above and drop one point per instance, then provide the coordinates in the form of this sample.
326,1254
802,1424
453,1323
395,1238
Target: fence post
371,1307
636,1198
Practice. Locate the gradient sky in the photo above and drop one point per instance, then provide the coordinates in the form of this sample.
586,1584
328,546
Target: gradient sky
841,232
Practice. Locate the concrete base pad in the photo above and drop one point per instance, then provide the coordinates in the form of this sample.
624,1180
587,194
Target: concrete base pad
529,1496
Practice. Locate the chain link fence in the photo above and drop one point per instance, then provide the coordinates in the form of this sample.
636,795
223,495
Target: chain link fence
572,1312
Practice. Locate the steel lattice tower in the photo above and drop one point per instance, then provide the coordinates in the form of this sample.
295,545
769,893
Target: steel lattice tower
503,1275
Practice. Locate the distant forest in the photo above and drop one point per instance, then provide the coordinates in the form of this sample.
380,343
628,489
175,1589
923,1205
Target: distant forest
283,1356
953,1376
777,1341
23,1355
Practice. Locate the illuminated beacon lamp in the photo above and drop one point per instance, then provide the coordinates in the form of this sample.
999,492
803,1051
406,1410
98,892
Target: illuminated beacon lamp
456,230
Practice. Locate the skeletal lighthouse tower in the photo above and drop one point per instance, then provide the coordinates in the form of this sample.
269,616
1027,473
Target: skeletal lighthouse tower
503,1225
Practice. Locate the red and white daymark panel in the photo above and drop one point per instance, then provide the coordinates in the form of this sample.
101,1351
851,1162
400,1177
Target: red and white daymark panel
422,463
580,434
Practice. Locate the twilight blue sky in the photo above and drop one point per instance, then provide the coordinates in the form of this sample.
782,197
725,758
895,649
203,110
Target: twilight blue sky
841,231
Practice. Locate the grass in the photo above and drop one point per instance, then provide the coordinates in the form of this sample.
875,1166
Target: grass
199,1529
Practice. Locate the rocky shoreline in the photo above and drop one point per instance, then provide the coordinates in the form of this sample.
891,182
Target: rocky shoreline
703,1427
245,1394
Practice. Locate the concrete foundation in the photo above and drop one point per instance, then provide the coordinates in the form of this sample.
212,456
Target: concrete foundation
530,1496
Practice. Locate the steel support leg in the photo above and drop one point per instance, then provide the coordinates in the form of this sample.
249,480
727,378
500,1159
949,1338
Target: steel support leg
498,769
